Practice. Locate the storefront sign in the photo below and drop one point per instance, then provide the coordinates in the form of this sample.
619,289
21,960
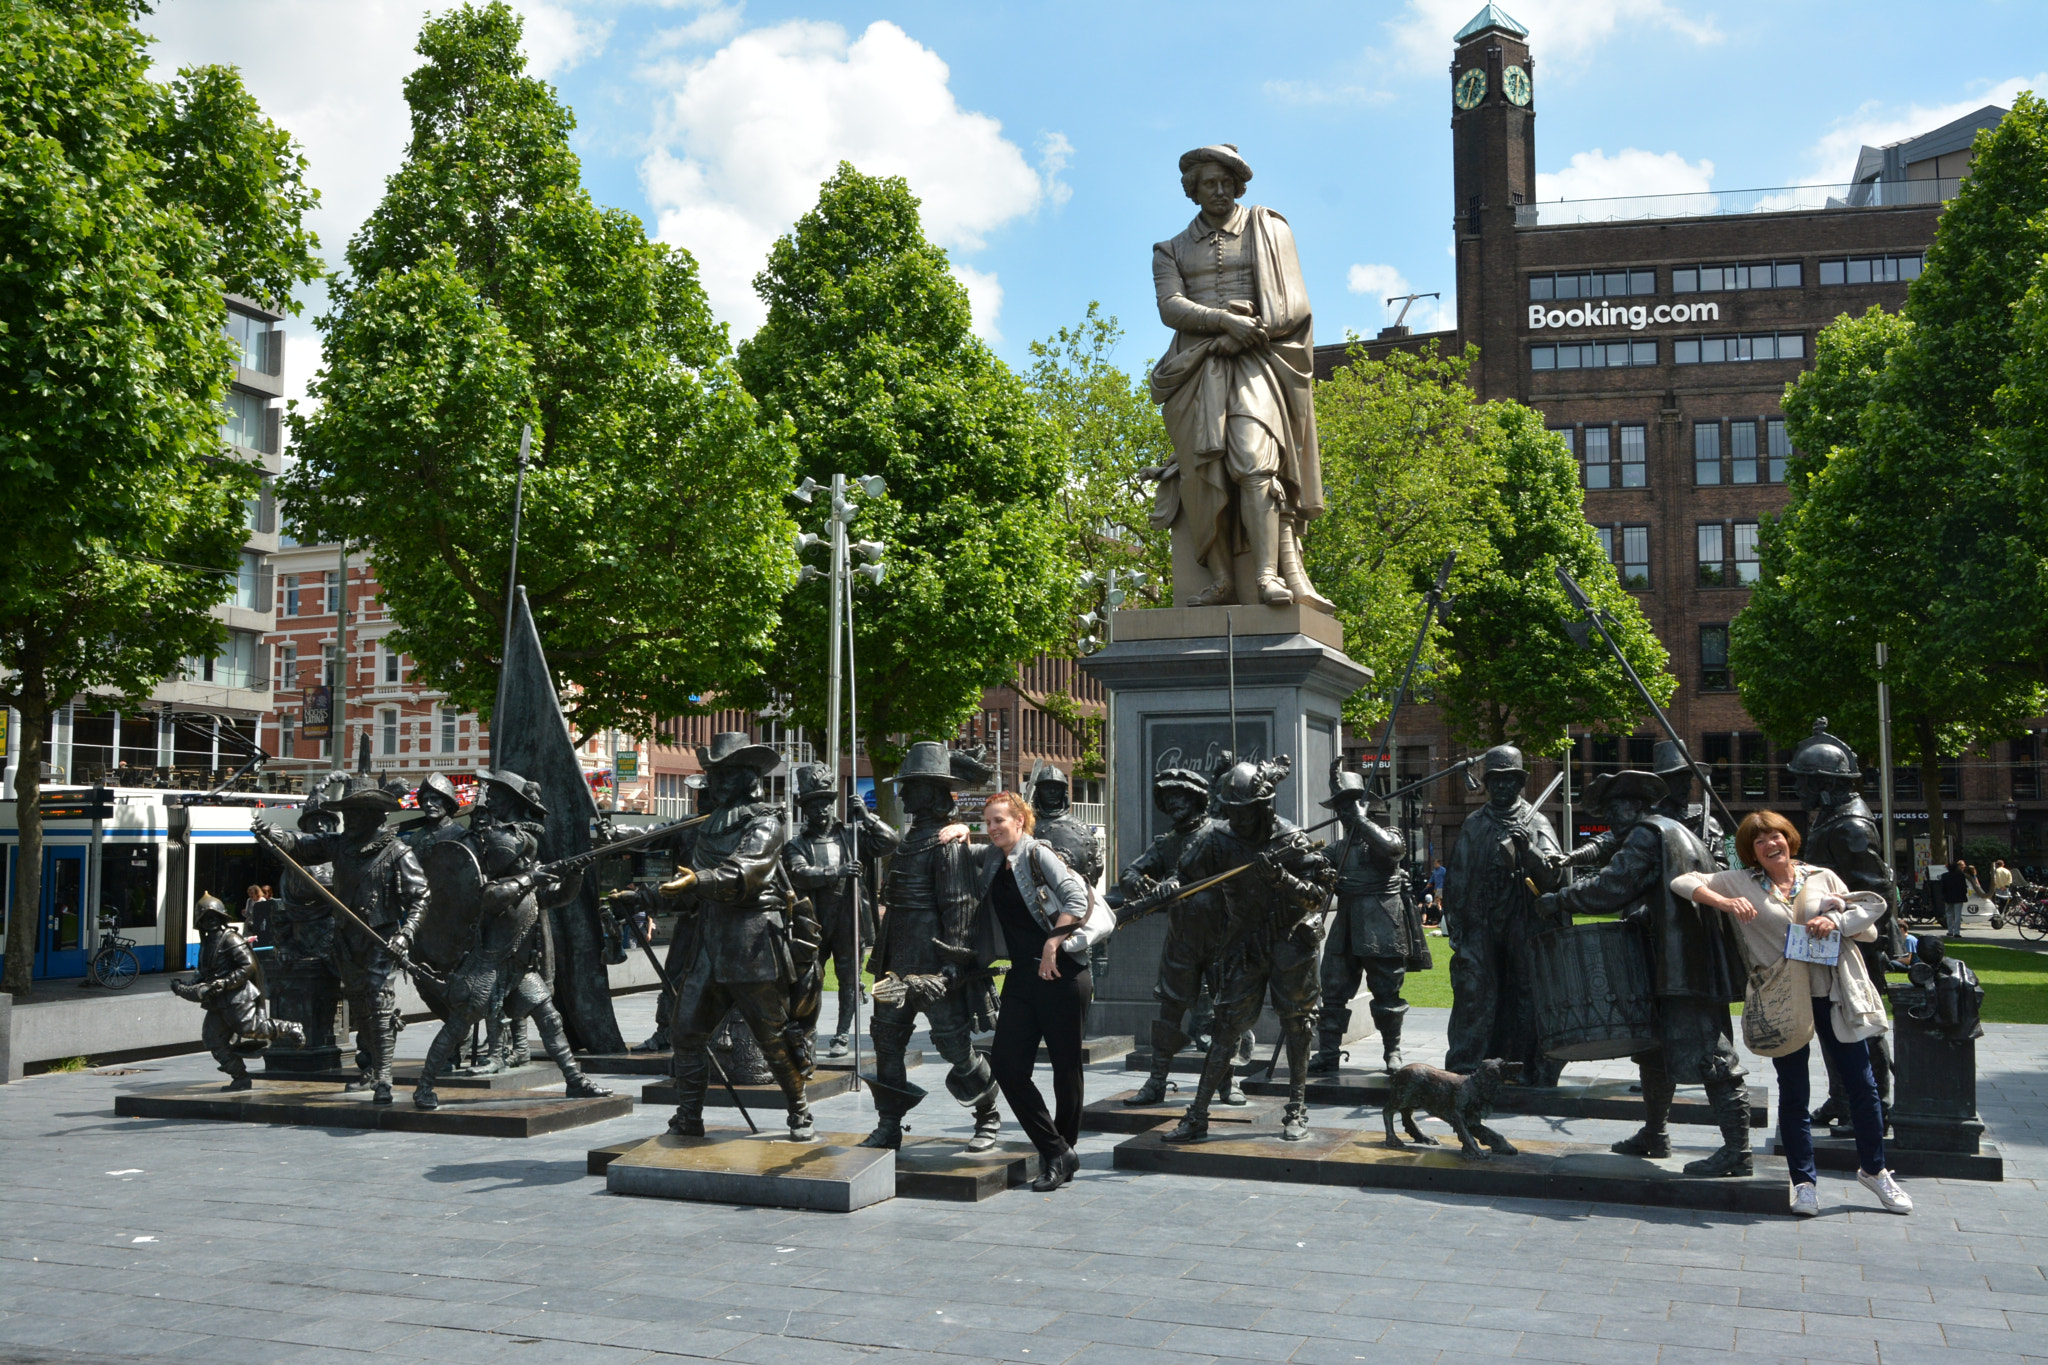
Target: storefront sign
1635,317
627,764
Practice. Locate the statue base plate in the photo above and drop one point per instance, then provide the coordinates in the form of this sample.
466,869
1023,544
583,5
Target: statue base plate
823,1085
501,1113
832,1174
533,1076
1839,1154
1566,1100
663,1063
937,1168
1114,1116
1570,1172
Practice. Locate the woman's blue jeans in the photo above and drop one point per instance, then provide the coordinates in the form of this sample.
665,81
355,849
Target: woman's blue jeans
1850,1062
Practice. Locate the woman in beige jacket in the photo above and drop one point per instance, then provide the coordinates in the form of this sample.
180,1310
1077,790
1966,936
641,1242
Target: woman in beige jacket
1772,896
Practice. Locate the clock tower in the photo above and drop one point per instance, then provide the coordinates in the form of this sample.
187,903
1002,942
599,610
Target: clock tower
1493,151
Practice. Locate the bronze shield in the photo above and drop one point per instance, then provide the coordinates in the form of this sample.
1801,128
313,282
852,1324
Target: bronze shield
457,882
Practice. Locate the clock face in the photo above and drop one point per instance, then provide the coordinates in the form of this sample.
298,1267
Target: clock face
1470,89
1515,83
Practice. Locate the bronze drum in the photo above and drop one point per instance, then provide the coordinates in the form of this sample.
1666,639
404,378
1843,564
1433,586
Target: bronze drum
1593,992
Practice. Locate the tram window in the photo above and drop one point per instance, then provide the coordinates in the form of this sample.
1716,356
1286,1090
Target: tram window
228,871
128,885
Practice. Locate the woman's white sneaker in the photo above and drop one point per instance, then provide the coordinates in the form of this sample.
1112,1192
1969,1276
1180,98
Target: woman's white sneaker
1805,1201
1894,1199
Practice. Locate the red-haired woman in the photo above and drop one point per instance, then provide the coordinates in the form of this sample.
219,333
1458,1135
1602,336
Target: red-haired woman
1772,896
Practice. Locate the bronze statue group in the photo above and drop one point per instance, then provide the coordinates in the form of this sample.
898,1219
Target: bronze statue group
1257,913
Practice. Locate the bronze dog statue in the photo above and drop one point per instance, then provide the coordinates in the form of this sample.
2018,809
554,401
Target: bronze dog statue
1461,1101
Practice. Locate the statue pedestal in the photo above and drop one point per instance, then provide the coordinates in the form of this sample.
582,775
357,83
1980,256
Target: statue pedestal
1934,1088
1169,705
303,990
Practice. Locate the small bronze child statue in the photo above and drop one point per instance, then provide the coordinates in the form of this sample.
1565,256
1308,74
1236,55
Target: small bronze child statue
238,1024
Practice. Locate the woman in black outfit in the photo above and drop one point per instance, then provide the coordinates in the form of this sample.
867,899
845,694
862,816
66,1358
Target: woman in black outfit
1046,993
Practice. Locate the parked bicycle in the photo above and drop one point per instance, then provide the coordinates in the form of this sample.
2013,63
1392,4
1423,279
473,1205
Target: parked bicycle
2028,913
114,964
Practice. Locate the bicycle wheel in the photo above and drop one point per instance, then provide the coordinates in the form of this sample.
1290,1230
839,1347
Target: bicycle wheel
116,969
2032,923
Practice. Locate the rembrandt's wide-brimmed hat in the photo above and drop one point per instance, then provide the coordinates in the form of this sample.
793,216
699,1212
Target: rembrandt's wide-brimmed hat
366,793
526,789
1633,784
934,762
1223,154
733,746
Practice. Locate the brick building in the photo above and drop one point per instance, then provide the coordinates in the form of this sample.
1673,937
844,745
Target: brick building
1656,335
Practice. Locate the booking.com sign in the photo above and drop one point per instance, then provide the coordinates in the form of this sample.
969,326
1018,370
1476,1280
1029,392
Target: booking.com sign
1614,315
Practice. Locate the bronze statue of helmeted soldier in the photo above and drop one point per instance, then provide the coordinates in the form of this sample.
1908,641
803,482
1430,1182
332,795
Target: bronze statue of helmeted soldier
440,808
1696,969
1376,936
745,946
1196,929
377,876
237,1025
1843,836
827,860
493,880
1279,884
935,932
1490,918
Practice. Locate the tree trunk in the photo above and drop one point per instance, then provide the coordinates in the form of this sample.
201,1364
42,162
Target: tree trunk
887,802
27,918
1930,788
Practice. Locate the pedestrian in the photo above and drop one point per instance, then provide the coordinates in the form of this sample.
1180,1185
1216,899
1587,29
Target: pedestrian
1773,896
1955,889
1034,895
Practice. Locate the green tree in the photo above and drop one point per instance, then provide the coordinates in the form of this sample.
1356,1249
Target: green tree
867,350
487,291
1914,512
1509,669
119,231
1406,480
1112,437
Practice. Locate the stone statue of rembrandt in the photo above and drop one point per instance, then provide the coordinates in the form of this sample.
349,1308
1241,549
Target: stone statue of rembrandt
1236,390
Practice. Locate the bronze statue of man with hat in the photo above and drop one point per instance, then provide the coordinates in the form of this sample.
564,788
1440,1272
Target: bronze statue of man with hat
1274,901
1196,928
1696,969
493,878
827,859
1490,918
1376,937
745,947
237,1025
1843,836
377,876
1236,390
935,931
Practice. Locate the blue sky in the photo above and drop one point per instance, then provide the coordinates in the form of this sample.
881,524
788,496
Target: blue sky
1043,137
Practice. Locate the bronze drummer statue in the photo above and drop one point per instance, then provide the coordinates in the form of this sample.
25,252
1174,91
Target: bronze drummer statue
1376,936
1695,967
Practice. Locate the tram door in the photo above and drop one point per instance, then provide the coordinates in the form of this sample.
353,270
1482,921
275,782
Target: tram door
64,939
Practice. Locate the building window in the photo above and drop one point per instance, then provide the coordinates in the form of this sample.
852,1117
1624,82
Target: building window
285,734
1594,284
1778,443
1756,766
388,719
240,663
1635,558
291,594
248,581
1634,452
449,716
391,665
1714,675
245,422
1599,452
1708,279
1713,560
1757,346
1906,782
287,666
2026,770
1871,269
1742,451
333,594
1706,453
1717,755
1746,565
252,338
1606,534
1593,355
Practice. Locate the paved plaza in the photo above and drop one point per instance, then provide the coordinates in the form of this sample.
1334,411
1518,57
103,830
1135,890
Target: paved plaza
170,1240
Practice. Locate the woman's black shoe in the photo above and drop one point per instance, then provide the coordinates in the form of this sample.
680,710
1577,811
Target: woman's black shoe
1057,1172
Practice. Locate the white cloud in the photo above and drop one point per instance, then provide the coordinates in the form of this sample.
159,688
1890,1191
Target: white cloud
1565,32
745,137
1833,156
1596,175
1054,152
1382,282
714,25
985,295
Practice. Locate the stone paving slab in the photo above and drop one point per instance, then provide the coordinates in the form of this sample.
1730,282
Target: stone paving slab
486,1113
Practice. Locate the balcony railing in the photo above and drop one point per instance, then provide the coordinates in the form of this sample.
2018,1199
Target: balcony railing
1721,203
